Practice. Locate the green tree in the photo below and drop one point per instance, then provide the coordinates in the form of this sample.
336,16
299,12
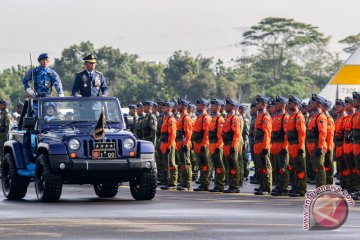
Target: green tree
352,41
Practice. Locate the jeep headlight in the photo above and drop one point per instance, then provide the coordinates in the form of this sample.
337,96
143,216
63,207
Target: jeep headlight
129,144
74,144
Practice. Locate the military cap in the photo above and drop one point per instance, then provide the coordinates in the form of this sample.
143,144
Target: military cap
43,56
243,106
317,98
262,99
183,102
356,95
340,102
295,100
231,101
281,99
52,105
216,101
155,104
139,105
132,106
349,100
271,102
169,104
201,100
160,102
90,58
19,104
148,103
192,106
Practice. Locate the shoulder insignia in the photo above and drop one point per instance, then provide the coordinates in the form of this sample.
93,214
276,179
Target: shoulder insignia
98,72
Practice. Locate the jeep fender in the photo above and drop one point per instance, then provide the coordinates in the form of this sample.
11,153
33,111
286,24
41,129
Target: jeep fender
16,149
52,148
146,147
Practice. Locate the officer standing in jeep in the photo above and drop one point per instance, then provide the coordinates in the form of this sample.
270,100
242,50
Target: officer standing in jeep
89,81
6,121
44,79
149,123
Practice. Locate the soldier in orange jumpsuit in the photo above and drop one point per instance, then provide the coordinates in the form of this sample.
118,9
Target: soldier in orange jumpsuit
183,145
167,145
201,143
349,173
217,144
231,135
329,156
316,138
356,139
271,108
295,135
262,140
279,147
339,139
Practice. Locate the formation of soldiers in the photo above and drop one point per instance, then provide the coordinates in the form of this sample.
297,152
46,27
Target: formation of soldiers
290,142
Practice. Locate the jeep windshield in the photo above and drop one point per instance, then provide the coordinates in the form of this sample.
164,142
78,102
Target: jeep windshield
69,111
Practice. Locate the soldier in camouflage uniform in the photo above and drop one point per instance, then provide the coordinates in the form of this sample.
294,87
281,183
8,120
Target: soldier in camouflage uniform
245,136
149,122
139,122
6,121
253,112
194,162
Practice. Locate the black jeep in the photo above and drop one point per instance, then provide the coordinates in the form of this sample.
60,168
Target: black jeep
73,140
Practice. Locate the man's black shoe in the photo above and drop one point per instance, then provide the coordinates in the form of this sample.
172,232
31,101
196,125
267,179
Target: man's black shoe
201,189
263,193
170,187
232,190
215,190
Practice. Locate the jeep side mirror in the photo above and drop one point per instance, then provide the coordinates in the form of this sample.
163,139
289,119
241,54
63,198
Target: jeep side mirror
29,122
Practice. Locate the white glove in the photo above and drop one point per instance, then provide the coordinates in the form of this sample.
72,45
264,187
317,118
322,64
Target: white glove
31,92
61,95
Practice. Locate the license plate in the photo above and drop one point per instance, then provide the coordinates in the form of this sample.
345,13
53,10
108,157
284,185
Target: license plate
104,150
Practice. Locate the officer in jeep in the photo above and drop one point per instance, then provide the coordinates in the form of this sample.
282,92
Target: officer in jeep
89,81
44,79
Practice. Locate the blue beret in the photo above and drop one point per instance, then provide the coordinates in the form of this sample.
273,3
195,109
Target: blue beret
328,104
192,106
304,105
43,56
4,102
271,102
160,102
349,100
216,101
148,103
183,102
262,99
356,95
231,101
296,100
317,98
132,106
280,99
201,100
253,104
340,102
139,105
169,104
243,106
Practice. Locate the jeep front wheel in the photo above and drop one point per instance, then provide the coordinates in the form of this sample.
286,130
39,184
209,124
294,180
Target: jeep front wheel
48,185
106,190
14,186
144,186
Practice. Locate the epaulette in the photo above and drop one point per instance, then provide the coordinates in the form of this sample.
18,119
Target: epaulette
98,72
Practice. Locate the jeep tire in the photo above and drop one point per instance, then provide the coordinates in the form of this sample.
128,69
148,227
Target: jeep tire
14,186
106,190
48,185
144,186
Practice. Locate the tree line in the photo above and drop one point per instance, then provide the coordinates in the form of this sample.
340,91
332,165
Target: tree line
280,57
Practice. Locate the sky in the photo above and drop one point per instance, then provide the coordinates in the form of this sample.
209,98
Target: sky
154,29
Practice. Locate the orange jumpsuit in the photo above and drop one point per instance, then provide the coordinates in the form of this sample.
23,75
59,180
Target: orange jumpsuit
168,127
339,136
347,128
296,122
263,122
330,132
356,136
319,120
329,156
184,125
232,123
201,125
216,124
278,124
